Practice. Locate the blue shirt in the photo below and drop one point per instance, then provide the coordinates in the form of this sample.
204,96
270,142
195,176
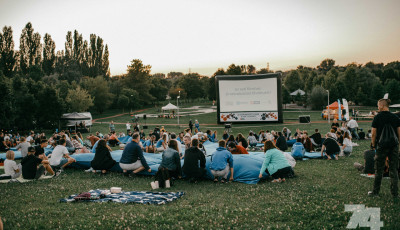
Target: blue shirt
211,137
220,158
132,153
298,150
159,143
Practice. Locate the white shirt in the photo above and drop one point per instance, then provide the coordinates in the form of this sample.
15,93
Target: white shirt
352,124
29,138
349,144
9,167
128,126
58,154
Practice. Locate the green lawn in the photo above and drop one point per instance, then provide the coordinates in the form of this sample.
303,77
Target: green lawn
313,200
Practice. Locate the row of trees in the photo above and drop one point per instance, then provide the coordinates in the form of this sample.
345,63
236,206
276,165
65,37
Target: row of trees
38,84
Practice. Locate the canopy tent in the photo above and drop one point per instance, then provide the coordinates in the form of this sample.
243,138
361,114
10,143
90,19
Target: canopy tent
75,119
335,105
299,91
395,106
169,107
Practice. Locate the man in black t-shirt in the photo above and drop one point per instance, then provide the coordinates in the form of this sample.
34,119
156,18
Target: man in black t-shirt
39,149
317,137
331,146
391,151
30,163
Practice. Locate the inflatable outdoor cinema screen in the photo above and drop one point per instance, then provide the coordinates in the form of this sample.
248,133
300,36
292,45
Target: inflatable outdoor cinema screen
249,98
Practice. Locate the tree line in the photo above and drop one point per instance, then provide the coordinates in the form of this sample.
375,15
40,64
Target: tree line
39,84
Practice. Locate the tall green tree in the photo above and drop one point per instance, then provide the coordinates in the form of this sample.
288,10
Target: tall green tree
30,48
99,90
7,53
49,55
78,100
138,79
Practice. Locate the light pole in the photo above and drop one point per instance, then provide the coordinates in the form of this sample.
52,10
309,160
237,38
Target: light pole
130,103
329,112
177,104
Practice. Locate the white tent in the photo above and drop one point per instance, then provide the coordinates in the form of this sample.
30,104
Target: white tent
299,91
395,106
169,107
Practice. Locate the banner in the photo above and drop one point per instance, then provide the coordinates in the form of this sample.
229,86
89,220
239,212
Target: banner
346,107
248,116
339,110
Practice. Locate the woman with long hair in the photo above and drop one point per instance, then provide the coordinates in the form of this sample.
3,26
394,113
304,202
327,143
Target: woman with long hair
275,163
171,160
102,158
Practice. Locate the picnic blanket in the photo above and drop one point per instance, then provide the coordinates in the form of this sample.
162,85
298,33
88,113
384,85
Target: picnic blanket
101,196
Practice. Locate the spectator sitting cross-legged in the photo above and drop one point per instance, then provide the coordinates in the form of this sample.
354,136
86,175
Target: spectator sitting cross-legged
31,168
132,157
193,158
102,159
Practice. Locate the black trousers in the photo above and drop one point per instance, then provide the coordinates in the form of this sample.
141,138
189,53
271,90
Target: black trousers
380,158
282,173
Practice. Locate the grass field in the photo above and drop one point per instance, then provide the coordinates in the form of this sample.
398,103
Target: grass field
315,199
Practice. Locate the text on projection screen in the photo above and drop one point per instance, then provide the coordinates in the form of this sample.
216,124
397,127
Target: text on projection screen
248,95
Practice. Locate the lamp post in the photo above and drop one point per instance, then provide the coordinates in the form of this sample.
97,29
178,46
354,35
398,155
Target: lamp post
130,103
329,112
177,105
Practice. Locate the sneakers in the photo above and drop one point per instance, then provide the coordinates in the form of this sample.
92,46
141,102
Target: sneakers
372,194
56,174
89,170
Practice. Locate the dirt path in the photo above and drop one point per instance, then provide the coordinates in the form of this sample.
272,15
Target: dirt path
118,115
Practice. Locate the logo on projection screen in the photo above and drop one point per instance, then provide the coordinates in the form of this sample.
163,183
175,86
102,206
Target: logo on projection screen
249,116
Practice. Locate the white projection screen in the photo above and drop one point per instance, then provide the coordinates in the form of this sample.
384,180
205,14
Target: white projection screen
249,98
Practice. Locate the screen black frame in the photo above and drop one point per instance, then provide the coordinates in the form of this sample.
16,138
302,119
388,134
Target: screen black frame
278,76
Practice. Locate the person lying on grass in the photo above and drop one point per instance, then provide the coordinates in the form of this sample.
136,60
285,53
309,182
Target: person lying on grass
60,156
102,159
34,167
222,163
331,147
275,163
132,159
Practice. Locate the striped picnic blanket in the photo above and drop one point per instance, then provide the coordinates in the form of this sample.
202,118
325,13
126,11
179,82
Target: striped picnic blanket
101,196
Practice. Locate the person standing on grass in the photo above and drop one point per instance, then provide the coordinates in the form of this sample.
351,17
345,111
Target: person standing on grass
132,158
197,125
60,156
385,139
191,126
128,128
222,163
30,166
275,163
111,127
193,158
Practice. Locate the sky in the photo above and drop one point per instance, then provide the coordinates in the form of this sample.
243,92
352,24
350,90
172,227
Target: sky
202,36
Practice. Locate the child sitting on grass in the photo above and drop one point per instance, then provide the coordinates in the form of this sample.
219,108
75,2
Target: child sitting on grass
10,166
